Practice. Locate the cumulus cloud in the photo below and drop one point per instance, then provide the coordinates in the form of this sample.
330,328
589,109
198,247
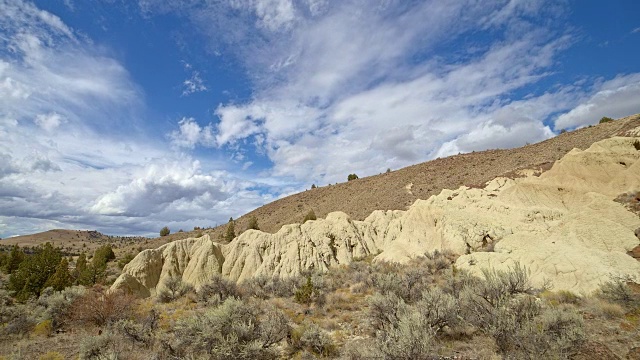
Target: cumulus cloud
614,98
190,134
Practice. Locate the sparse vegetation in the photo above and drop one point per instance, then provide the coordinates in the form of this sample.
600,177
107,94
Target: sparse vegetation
605,120
424,309
352,177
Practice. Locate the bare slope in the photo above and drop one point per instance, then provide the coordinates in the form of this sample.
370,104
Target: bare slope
389,191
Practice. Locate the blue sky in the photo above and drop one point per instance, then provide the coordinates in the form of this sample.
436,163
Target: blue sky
127,116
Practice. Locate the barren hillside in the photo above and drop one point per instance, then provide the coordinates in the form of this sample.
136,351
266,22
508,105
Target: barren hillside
399,189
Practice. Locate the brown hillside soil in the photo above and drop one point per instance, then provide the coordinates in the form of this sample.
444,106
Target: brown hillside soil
389,191
399,189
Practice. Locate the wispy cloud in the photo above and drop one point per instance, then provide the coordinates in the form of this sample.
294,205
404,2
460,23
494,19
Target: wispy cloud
193,85
636,30
337,86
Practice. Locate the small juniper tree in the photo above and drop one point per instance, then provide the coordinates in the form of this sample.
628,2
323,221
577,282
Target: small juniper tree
253,224
310,216
605,119
165,231
352,177
231,230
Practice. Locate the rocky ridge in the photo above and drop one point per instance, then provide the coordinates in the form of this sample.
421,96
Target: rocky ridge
563,225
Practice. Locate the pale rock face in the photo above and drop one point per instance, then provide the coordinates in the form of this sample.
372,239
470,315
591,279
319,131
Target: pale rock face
563,225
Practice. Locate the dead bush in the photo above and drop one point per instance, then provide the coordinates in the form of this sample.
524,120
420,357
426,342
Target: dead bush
99,308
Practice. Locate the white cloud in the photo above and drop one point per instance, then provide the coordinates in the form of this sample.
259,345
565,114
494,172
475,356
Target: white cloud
191,134
49,122
613,98
193,84
636,30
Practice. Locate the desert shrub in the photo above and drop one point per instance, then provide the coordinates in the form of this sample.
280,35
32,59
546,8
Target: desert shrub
140,332
173,288
165,231
412,338
360,349
561,297
384,310
552,335
101,347
217,290
605,120
636,145
274,327
264,287
52,355
352,177
438,309
57,304
610,310
18,323
309,336
310,216
99,308
502,306
231,330
618,291
408,284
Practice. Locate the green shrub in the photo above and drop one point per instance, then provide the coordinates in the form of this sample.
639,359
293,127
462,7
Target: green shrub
605,120
125,260
352,177
310,216
165,231
253,223
32,273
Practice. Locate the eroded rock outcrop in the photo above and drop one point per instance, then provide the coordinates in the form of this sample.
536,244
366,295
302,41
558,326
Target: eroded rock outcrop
563,225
